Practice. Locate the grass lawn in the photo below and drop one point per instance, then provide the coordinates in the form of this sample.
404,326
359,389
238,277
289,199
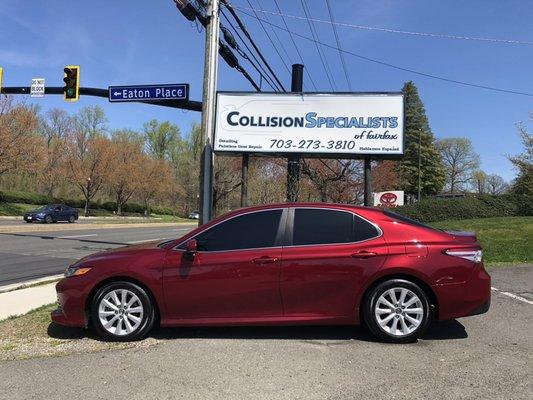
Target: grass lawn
33,335
505,240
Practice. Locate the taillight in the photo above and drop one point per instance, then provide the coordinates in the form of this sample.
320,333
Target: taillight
470,255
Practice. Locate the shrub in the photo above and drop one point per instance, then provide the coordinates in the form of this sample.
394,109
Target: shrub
473,206
9,196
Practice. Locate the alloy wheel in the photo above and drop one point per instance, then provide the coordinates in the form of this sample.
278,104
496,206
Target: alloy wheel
120,312
399,311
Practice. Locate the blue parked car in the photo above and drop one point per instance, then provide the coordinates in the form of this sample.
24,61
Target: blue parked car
52,213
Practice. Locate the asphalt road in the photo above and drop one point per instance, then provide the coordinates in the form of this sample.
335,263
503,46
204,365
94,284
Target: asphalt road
30,255
483,357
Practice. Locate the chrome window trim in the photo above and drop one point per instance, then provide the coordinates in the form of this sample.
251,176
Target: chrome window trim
225,220
380,231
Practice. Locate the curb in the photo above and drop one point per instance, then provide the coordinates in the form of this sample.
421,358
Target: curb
27,284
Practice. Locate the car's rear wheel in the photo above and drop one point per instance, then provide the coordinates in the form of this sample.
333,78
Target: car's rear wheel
397,311
71,219
122,311
28,221
48,219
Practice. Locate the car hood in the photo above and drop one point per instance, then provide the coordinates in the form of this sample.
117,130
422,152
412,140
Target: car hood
122,252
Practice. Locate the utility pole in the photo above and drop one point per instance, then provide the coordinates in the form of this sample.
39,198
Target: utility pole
208,110
419,164
293,161
244,179
368,181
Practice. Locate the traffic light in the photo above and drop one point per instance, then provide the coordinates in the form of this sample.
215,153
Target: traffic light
71,89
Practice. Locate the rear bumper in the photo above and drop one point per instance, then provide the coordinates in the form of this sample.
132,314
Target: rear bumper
464,299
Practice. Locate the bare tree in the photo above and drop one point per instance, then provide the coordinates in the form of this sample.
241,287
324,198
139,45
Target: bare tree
20,145
56,126
460,162
126,165
89,154
496,185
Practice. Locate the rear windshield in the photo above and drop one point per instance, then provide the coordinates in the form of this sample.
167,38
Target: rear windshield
407,220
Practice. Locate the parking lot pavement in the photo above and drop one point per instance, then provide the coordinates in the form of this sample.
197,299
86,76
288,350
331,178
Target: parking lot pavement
482,357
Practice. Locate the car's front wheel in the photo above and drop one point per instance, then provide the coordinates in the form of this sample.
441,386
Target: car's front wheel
397,311
48,219
122,311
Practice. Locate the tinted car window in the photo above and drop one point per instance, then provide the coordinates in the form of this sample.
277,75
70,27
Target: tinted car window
254,230
319,226
363,230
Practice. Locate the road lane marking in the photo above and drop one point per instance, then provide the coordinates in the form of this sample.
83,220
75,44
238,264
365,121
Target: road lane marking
145,240
76,236
513,296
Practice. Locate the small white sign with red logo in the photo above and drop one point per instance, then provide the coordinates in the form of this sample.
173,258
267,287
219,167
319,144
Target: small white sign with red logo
393,198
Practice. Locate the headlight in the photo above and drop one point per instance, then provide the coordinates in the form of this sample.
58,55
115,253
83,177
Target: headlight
75,270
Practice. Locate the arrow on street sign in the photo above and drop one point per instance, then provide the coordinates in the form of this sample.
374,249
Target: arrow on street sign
178,91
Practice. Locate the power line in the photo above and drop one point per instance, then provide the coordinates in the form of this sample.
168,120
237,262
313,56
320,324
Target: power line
388,30
341,55
252,42
295,45
283,48
323,58
402,68
230,7
257,65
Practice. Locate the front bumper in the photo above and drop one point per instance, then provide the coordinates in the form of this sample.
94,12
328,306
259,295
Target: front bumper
71,296
465,299
33,218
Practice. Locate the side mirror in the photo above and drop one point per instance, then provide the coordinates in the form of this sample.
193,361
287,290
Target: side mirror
191,247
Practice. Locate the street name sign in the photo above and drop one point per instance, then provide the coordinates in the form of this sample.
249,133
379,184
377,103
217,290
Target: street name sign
179,91
37,87
350,124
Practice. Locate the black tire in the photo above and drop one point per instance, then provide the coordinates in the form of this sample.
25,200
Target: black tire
29,222
48,219
380,332
71,219
147,319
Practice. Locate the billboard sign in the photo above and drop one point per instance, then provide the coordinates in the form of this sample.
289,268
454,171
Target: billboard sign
310,123
392,198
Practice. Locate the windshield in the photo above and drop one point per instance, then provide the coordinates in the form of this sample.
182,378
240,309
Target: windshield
45,208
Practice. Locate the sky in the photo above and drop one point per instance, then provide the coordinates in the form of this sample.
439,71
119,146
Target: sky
119,42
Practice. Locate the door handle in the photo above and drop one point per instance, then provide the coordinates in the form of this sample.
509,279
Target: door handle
364,254
265,260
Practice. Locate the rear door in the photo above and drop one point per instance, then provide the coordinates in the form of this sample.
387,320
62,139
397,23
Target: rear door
234,274
328,255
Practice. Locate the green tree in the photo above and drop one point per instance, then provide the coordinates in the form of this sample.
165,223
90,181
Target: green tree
417,128
460,162
523,183
161,138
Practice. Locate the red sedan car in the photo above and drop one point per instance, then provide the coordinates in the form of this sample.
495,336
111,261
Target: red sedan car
283,264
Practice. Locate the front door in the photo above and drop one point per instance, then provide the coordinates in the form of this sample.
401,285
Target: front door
234,274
